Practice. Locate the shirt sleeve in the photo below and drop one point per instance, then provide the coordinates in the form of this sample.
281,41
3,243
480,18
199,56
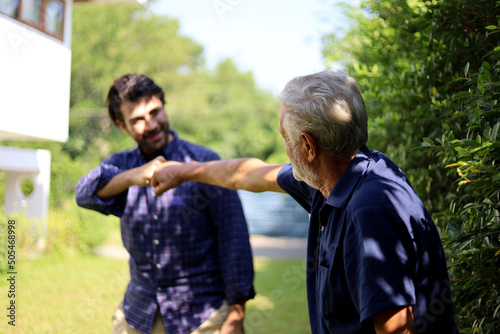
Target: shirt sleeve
379,261
299,191
97,178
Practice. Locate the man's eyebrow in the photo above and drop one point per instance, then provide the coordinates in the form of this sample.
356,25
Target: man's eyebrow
155,109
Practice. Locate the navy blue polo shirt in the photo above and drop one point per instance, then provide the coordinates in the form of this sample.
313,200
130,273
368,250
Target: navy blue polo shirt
372,245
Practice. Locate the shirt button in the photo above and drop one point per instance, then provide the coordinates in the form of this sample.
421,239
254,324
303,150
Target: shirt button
158,265
322,228
155,217
157,242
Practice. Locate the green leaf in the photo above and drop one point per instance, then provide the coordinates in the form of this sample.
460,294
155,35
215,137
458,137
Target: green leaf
465,244
497,309
457,164
495,50
494,133
491,27
461,95
427,142
466,70
454,227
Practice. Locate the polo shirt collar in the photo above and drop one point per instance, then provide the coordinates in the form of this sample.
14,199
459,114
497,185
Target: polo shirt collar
344,187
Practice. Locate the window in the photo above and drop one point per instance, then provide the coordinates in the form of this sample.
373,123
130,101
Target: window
44,15
54,13
9,7
32,11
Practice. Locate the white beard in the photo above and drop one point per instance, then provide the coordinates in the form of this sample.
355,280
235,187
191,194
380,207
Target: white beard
301,171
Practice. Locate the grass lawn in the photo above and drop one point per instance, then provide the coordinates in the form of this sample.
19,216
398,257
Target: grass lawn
78,293
66,294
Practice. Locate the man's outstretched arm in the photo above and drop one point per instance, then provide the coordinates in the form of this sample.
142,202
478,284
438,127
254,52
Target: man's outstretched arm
247,174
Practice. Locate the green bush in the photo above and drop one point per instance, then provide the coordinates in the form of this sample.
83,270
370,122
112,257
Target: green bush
473,238
73,229
66,230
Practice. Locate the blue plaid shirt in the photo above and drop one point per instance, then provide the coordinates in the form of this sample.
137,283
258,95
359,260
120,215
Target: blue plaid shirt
189,248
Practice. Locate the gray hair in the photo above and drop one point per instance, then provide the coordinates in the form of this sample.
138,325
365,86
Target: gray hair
328,106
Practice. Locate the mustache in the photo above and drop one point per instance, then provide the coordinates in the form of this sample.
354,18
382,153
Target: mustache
153,133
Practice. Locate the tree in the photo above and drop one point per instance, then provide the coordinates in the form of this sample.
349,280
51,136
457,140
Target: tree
224,110
110,40
220,108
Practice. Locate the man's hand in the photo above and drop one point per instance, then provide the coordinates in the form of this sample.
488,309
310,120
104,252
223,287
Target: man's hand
397,320
165,177
234,320
139,176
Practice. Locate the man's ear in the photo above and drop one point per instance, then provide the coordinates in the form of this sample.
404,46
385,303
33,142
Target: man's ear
121,125
309,146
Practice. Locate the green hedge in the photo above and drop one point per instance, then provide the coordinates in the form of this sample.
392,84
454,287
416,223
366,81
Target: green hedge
67,229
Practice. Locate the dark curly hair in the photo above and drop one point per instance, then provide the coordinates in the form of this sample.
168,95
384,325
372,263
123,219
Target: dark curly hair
133,88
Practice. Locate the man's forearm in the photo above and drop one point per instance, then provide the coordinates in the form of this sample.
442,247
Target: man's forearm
247,174
118,184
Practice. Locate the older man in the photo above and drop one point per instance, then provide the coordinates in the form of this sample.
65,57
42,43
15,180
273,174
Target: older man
375,260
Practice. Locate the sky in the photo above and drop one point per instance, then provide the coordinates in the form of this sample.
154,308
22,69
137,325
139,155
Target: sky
275,39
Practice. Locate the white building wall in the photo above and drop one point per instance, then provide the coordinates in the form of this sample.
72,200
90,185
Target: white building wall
35,71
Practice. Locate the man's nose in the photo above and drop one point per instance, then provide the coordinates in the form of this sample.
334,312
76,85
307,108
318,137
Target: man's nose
151,123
